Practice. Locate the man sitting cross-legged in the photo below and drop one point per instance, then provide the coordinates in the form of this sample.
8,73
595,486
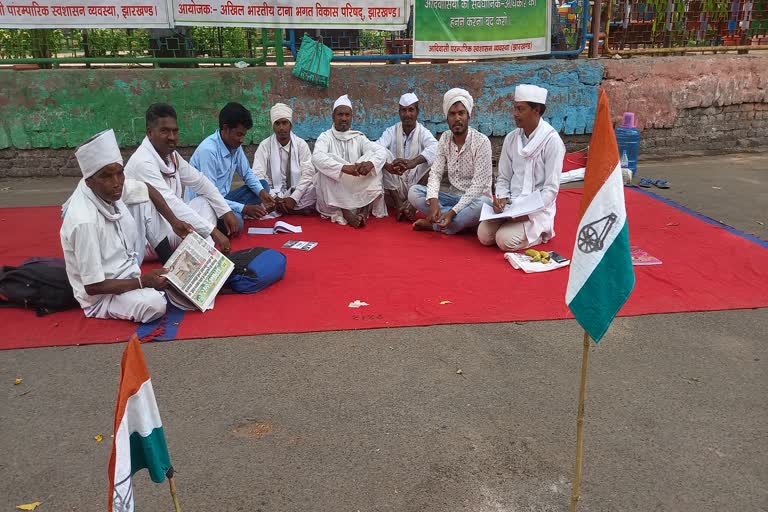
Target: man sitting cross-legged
284,161
108,222
466,154
531,160
412,150
221,155
348,179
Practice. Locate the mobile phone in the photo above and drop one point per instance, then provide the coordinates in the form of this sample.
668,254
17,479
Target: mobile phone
557,258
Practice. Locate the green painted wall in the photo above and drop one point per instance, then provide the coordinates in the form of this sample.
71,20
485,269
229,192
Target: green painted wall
62,108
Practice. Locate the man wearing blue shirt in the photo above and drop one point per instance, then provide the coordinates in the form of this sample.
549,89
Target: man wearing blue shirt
220,155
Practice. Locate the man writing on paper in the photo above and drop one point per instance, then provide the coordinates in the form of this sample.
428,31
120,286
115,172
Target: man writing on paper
466,154
108,222
531,160
284,161
158,163
348,181
412,150
221,155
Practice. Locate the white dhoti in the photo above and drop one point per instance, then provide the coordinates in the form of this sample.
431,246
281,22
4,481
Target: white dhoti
308,199
396,183
153,228
349,193
419,142
204,209
337,191
144,305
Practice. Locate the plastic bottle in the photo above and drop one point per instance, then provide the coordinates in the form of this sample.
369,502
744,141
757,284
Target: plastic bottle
626,172
628,139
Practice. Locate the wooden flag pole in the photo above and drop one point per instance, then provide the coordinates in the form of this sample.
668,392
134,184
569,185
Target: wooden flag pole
172,487
580,423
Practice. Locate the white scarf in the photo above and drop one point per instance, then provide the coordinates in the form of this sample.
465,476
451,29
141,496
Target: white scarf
343,149
275,151
532,151
101,206
400,141
413,175
114,214
170,174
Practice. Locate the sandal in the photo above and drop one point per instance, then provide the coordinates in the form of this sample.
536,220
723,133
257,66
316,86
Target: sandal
646,183
661,183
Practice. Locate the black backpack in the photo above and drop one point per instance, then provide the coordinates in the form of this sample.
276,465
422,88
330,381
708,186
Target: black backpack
38,283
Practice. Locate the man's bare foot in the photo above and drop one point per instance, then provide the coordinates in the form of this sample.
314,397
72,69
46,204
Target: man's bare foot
422,225
353,218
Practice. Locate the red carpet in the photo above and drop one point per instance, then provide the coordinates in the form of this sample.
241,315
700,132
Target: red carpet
405,276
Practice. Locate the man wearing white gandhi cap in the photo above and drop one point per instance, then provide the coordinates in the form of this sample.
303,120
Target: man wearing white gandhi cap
348,181
466,154
107,223
284,161
531,161
412,149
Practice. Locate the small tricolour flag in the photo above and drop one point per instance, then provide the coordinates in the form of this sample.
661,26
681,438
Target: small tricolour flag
601,276
139,438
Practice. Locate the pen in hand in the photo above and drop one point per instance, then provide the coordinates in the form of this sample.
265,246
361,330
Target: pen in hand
497,208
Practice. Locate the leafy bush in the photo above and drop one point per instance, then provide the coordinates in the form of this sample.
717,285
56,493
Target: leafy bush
40,43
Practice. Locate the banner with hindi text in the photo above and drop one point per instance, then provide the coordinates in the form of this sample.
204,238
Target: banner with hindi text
325,14
481,29
84,14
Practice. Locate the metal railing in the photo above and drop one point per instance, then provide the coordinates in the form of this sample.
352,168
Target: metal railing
676,26
180,47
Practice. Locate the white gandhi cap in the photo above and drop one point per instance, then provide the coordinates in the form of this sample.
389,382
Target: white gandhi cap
532,93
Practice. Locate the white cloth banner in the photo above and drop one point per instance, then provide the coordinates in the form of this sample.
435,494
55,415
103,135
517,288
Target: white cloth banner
84,14
330,14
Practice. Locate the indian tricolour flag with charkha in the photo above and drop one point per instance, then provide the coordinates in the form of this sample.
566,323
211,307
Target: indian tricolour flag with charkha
601,276
139,439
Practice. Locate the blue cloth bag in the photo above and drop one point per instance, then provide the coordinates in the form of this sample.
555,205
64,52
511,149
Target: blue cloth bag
255,269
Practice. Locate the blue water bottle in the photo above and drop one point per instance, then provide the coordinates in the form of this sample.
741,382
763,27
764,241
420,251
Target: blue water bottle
628,139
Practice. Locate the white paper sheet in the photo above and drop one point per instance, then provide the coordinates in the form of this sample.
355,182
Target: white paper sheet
520,207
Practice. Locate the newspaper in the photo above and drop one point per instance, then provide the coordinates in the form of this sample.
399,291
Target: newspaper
523,205
197,271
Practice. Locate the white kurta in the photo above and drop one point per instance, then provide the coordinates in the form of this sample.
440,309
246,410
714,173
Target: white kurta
274,169
103,241
533,163
399,145
169,178
336,190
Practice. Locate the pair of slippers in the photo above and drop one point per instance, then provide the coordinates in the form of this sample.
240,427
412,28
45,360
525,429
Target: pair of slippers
646,183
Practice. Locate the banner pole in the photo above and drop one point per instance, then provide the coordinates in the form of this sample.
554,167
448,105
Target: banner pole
580,424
